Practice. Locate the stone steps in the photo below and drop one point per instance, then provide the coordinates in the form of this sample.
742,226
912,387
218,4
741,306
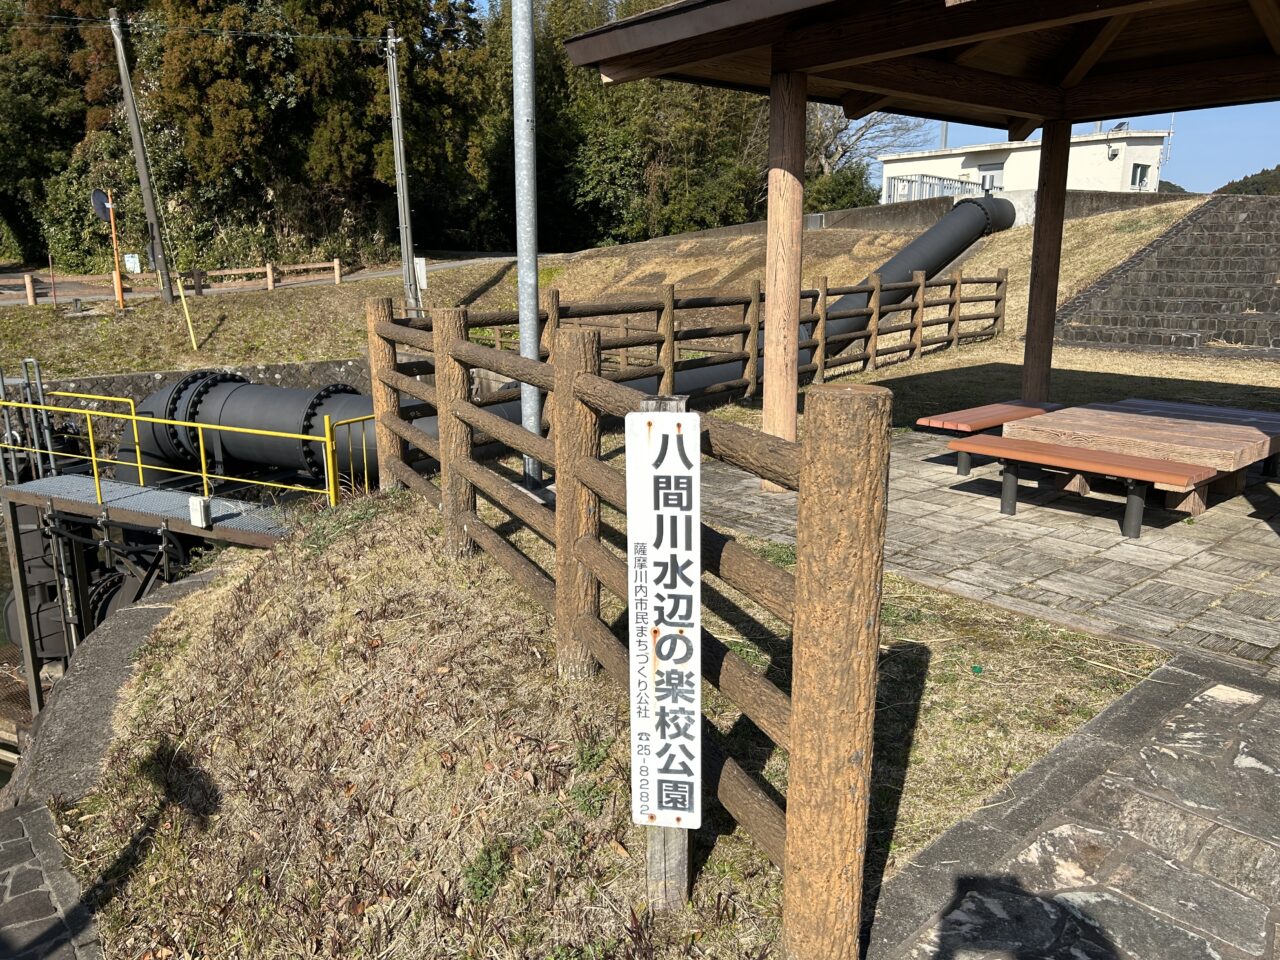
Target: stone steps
1261,333
1225,304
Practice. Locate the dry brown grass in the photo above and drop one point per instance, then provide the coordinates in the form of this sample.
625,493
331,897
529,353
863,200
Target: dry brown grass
352,746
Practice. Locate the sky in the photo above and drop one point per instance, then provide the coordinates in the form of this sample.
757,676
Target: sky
1209,149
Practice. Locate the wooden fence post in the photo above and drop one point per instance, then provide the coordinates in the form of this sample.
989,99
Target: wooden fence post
1002,296
453,386
551,306
917,314
197,281
271,276
667,349
839,565
873,322
29,282
576,431
751,373
337,271
953,308
386,401
820,351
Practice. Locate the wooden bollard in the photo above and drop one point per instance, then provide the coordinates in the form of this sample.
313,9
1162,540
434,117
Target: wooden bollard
271,277
29,282
453,386
386,401
576,430
337,271
840,531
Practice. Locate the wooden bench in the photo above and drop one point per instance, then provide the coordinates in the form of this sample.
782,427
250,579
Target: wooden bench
978,419
1137,473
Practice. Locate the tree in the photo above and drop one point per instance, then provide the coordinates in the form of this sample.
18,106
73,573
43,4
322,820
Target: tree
840,153
1265,183
1168,186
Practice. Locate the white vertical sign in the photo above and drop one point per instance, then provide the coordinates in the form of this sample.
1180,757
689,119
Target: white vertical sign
664,584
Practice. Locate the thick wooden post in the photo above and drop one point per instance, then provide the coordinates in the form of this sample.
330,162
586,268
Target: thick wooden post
271,276
337,271
820,332
839,565
784,243
953,308
386,401
197,281
667,349
917,313
1046,259
453,386
576,430
873,322
751,343
1002,296
29,282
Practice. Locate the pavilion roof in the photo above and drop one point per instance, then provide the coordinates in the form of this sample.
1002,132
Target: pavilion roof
999,63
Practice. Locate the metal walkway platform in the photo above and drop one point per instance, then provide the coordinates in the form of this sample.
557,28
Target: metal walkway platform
234,521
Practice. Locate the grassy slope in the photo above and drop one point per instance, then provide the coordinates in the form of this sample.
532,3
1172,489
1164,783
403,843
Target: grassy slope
352,746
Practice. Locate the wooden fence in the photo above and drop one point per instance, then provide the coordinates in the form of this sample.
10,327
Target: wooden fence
195,282
832,600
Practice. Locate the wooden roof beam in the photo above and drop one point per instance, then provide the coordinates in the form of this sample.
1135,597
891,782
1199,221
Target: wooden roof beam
1182,86
942,84
917,26
1087,58
1025,127
859,105
1268,14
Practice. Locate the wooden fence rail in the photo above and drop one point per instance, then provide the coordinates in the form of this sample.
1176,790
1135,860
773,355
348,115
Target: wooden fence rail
196,281
832,601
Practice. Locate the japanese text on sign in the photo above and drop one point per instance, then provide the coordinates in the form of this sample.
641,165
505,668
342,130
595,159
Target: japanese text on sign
664,583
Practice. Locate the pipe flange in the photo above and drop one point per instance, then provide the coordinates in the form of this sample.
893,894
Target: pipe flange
986,214
308,421
171,405
198,395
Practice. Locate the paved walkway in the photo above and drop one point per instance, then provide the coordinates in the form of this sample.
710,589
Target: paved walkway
1211,586
41,917
1152,834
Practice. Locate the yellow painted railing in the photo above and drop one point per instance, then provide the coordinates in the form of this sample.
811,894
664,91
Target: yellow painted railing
208,479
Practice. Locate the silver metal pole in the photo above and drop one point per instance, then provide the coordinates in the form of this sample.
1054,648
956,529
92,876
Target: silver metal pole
412,295
140,159
523,112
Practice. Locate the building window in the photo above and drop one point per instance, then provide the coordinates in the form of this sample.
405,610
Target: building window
1138,178
992,175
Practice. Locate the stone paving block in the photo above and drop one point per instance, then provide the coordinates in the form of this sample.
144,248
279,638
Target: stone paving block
1064,858
1227,623
1171,830
26,908
15,852
39,939
1079,585
1241,861
1194,899
1139,933
1160,595
24,880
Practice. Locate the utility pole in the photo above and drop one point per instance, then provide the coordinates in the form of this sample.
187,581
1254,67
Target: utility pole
412,295
156,241
525,118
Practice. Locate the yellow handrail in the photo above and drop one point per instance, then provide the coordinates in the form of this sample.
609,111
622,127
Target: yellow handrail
104,398
332,488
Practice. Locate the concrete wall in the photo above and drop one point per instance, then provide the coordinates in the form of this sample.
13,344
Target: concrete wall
139,385
1087,203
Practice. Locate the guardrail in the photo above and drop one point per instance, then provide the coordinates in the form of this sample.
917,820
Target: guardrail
82,449
831,602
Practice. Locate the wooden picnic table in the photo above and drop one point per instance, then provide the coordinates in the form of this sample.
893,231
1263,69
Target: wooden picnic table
1228,439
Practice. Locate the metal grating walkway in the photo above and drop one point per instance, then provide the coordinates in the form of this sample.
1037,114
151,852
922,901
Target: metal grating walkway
229,516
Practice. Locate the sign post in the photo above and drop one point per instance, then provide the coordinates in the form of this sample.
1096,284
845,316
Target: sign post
664,583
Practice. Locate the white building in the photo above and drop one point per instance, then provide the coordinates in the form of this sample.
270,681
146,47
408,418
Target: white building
1120,160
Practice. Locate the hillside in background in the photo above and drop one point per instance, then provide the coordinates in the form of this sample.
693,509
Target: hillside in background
1264,183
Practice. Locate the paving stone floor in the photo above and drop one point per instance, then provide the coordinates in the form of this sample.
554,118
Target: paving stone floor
1152,834
41,917
1212,586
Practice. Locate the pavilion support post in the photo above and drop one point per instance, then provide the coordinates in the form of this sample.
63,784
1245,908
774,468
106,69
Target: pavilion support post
1046,257
785,235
